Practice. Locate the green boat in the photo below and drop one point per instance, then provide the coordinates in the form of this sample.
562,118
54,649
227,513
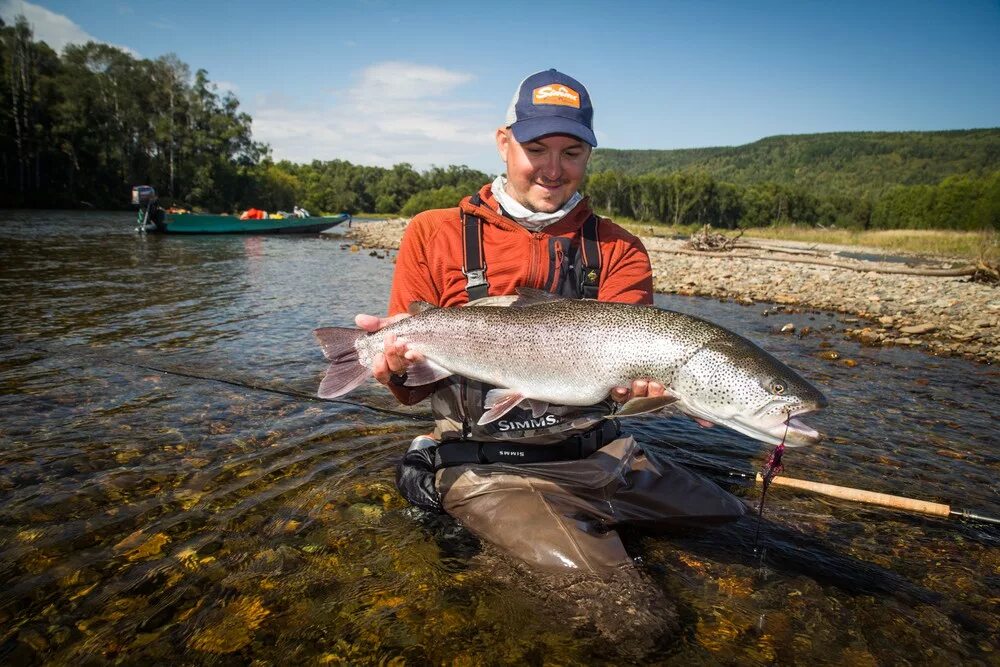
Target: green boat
152,218
196,223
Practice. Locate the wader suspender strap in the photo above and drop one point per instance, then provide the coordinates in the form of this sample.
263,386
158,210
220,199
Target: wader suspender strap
590,272
475,267
476,287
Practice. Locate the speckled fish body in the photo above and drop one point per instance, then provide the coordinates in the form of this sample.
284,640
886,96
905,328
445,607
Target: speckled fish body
573,352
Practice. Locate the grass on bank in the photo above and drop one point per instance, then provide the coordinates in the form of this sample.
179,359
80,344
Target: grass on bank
973,246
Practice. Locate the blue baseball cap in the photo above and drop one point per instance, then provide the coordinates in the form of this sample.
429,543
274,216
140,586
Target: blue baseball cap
551,102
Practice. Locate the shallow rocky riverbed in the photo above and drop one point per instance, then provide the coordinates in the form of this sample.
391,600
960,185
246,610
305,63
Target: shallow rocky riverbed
943,315
171,492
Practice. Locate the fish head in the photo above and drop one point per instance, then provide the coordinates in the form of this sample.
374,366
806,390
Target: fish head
734,383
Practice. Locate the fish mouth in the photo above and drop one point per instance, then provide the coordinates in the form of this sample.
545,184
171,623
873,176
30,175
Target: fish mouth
794,432
788,429
798,434
784,427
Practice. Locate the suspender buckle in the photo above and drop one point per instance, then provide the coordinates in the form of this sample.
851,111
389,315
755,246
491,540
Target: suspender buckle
475,278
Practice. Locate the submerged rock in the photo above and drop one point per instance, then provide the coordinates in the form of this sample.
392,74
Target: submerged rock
234,629
625,608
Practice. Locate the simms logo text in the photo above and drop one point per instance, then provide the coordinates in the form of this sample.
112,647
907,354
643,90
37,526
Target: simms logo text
547,420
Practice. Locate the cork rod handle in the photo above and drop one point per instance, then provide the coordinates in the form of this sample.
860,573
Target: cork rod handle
861,496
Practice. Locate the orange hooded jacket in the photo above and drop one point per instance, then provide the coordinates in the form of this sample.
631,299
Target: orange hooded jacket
430,260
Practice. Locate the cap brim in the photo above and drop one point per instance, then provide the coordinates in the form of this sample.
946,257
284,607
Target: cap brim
530,129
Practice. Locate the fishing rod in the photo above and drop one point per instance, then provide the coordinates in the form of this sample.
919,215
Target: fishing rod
840,492
877,498
271,390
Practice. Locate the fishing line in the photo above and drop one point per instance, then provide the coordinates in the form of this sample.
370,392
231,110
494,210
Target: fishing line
695,460
234,383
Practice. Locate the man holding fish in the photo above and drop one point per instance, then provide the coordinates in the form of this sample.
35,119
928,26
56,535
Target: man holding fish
527,381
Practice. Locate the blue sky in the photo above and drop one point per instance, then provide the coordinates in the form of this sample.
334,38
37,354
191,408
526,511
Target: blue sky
380,82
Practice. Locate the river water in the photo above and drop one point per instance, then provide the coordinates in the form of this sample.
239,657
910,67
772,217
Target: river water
170,493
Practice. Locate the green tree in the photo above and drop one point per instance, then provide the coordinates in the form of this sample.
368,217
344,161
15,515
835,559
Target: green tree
395,187
447,196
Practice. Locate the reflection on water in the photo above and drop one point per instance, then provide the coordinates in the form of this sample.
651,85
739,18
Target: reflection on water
147,516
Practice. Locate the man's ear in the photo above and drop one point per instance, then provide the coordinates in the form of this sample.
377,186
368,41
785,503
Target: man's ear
503,142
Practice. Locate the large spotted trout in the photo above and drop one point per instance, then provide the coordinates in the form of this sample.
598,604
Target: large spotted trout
544,349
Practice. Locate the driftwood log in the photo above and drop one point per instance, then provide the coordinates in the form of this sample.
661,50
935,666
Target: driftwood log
706,239
778,248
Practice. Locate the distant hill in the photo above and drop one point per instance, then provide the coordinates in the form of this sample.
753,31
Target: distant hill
828,163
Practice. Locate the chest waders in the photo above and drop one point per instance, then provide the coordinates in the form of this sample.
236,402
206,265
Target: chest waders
574,272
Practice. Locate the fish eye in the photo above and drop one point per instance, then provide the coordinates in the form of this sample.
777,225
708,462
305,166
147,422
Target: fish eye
777,388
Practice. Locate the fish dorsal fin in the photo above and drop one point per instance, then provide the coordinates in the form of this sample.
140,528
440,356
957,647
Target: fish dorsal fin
494,301
417,307
529,296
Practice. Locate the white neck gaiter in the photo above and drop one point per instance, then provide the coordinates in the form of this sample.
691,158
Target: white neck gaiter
531,220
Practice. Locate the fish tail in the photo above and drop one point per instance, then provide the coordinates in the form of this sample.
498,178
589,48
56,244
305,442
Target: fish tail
346,371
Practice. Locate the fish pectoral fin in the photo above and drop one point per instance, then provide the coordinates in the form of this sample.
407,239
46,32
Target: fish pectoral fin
425,372
499,402
638,406
538,408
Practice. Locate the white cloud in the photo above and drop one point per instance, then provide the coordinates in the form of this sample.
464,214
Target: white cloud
56,30
396,112
396,82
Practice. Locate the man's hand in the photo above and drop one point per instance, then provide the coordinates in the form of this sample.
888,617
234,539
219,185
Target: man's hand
395,357
639,389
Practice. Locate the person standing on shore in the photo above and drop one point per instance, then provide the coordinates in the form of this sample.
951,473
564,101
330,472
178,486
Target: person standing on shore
548,489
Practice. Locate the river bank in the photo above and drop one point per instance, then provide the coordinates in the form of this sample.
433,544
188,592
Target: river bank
944,315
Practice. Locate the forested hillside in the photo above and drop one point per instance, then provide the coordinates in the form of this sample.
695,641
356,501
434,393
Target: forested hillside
887,180
79,129
841,163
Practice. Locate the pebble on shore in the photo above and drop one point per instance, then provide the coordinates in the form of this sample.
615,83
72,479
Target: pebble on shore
948,316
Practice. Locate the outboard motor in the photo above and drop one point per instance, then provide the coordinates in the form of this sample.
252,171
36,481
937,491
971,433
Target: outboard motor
151,216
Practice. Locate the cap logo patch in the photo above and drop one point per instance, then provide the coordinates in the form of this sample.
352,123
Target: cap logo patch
556,94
